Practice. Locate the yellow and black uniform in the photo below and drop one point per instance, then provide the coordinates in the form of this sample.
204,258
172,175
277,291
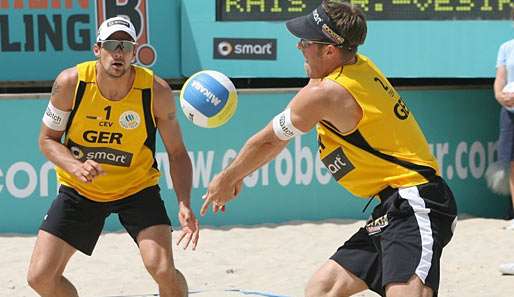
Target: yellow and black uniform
387,155
120,135
387,148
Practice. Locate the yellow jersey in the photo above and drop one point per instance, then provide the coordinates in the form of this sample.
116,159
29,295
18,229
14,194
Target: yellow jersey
120,135
387,148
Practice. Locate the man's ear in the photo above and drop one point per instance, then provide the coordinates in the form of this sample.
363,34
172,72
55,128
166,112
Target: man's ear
331,50
96,50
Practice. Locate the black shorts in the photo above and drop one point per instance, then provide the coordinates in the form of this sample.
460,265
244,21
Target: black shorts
79,221
404,236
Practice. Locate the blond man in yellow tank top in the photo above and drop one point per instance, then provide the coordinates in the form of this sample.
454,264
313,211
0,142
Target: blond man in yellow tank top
372,145
109,111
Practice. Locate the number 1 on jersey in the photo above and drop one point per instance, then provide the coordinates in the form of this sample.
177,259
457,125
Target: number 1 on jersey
107,112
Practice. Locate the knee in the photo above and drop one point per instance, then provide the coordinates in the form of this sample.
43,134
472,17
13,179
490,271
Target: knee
320,287
39,280
160,270
316,290
333,280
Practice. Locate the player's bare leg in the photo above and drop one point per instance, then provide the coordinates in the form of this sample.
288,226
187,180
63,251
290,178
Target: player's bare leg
413,287
332,280
156,251
49,258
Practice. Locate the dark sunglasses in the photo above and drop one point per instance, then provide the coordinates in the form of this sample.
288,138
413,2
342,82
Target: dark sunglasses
113,45
304,43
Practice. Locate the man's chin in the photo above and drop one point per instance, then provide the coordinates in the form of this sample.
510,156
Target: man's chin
116,73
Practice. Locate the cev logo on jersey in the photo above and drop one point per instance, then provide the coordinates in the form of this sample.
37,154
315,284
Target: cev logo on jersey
130,120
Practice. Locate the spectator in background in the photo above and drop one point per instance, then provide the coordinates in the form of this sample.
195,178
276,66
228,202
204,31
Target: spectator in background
504,94
502,83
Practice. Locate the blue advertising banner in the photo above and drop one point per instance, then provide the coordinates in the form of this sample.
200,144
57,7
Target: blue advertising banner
460,124
40,38
405,38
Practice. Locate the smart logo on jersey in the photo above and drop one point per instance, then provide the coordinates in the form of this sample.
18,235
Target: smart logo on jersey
137,11
337,163
77,152
103,155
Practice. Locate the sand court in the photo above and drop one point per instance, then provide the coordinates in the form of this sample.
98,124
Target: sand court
263,260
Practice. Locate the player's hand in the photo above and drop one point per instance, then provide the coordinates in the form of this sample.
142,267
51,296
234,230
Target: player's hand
219,192
87,171
190,227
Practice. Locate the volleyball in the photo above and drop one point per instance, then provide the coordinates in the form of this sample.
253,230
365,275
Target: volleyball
208,99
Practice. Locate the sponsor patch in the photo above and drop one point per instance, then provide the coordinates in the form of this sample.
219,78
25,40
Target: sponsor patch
103,155
130,119
118,22
244,49
337,163
377,225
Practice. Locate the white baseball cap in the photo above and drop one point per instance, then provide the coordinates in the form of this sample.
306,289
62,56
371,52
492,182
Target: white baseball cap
115,24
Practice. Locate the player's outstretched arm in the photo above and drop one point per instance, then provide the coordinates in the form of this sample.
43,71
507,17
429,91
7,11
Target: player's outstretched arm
301,115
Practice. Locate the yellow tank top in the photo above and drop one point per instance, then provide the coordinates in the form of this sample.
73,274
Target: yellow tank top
120,135
387,148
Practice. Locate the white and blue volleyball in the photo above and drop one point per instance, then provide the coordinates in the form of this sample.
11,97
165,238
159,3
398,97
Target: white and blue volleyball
208,99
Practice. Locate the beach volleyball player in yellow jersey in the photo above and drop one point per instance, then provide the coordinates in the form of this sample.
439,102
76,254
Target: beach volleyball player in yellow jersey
109,111
372,145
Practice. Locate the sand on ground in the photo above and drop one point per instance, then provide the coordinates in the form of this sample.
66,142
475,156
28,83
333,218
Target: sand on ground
270,260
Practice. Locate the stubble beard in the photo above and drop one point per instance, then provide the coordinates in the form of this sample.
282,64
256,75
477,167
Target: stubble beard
115,74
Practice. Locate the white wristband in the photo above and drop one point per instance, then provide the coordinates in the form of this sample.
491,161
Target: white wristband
283,126
55,118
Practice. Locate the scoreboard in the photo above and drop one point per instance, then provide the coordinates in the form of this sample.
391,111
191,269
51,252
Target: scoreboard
277,10
248,38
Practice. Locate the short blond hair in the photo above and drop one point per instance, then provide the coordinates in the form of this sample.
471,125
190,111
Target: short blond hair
349,20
